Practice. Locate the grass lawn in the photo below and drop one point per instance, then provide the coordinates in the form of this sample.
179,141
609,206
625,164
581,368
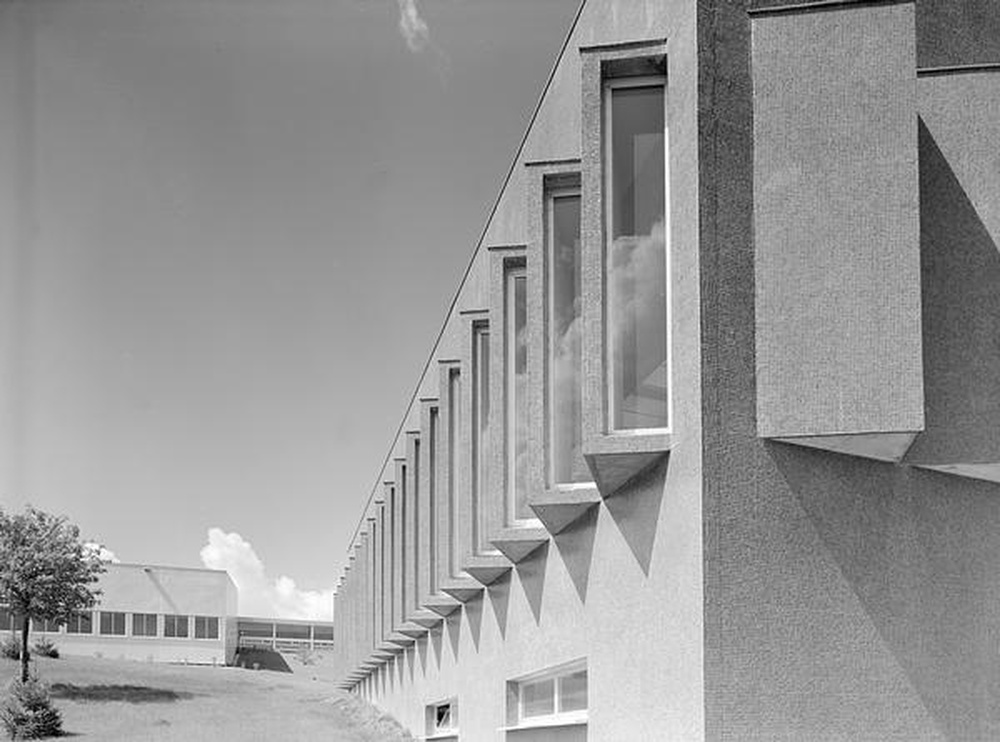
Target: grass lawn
122,701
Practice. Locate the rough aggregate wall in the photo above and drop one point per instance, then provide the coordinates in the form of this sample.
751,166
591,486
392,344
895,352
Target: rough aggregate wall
845,598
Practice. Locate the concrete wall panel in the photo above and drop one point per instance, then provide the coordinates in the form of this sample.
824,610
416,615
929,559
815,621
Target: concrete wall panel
836,222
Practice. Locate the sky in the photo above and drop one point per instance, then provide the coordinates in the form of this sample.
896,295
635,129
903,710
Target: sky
230,231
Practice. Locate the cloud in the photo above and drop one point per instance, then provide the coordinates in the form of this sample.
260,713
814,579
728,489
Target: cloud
103,553
414,28
259,594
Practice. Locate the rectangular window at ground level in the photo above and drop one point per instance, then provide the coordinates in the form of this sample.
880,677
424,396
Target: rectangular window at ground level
550,697
636,254
113,623
442,719
175,626
144,624
6,618
81,623
206,627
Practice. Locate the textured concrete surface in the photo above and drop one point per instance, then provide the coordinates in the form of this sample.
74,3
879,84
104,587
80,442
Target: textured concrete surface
836,223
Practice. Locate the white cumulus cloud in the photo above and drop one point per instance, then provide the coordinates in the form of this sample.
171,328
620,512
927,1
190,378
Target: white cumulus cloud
414,28
103,553
259,594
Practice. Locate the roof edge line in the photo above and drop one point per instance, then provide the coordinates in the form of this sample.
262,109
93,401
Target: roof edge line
472,258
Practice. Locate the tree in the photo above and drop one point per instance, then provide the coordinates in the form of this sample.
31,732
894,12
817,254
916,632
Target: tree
46,573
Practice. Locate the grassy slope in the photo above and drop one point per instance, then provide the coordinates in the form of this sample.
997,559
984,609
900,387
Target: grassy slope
215,704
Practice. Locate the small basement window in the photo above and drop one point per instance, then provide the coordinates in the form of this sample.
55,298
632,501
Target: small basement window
442,720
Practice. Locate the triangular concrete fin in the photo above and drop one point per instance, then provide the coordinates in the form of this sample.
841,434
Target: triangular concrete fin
612,471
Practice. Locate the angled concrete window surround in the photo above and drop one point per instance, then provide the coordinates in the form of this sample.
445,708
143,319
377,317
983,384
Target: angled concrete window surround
515,532
455,586
561,486
478,510
625,236
416,556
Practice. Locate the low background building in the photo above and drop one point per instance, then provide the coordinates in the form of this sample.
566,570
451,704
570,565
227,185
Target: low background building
153,613
172,614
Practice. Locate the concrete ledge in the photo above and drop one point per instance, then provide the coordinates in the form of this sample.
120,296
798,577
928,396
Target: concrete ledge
424,618
442,605
879,446
518,543
486,569
559,509
462,589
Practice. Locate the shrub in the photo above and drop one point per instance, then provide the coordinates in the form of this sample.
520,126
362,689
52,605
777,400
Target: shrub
46,648
11,648
27,712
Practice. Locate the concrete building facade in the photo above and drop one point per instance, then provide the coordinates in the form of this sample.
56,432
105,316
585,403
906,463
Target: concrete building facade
707,447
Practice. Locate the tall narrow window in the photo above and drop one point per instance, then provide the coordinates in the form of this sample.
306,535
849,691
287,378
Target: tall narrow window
516,328
386,544
480,429
636,255
415,551
432,495
403,542
566,463
392,553
454,420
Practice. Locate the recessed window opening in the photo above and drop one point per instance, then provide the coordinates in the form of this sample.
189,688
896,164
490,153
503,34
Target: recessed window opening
567,467
416,520
454,419
404,555
432,496
552,697
636,265
516,374
480,430
441,719
391,591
